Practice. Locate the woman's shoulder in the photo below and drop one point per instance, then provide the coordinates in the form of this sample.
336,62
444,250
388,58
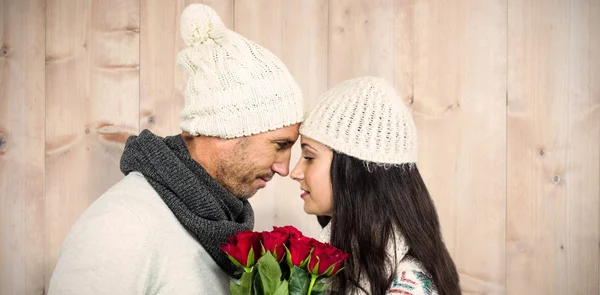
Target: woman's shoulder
412,279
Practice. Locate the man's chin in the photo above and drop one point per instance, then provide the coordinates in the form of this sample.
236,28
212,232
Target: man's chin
241,192
248,191
246,195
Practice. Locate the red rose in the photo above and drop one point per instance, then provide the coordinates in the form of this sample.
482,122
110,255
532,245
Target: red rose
274,242
288,229
326,260
300,250
239,246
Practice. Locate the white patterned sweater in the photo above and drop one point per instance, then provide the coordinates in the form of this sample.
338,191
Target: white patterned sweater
411,277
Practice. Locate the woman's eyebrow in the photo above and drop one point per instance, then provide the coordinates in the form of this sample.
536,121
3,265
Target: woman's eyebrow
306,145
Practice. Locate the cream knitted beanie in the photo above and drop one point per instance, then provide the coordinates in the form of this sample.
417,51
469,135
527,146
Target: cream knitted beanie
235,88
364,118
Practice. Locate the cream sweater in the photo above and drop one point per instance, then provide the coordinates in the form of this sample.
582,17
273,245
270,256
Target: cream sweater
411,277
129,242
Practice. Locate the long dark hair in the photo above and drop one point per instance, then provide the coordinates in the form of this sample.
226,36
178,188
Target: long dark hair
369,202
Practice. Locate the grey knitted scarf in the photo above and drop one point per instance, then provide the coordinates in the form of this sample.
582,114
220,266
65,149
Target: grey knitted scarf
201,205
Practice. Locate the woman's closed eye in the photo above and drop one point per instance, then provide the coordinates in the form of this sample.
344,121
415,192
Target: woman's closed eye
307,158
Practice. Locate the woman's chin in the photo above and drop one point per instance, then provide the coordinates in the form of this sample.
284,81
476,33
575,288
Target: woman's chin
308,210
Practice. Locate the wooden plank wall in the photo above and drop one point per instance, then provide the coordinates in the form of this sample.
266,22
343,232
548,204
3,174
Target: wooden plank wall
460,110
22,108
553,142
92,99
505,94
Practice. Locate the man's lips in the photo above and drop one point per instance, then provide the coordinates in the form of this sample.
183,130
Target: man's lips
266,178
304,194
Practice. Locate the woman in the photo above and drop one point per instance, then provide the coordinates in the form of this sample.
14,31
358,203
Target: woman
358,173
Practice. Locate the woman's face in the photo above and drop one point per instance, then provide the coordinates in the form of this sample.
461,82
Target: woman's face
312,172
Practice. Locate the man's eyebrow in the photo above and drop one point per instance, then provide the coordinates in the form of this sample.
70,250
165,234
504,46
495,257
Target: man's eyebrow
287,140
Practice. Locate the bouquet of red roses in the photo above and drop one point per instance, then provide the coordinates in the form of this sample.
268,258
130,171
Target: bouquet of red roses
281,262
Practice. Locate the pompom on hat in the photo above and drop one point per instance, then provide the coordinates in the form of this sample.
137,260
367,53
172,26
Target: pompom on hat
235,88
364,118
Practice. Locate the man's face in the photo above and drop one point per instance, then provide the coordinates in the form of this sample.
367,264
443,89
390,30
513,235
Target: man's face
252,161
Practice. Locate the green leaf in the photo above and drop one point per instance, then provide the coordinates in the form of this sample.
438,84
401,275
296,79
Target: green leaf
305,262
299,282
285,270
330,270
288,257
235,262
283,289
258,286
315,270
337,272
270,273
246,282
234,288
250,258
245,285
319,288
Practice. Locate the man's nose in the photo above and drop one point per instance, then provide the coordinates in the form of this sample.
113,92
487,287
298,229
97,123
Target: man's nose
282,165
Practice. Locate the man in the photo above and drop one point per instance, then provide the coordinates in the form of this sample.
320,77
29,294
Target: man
158,230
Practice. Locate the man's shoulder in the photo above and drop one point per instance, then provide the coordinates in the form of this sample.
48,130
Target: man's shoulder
134,186
129,235
131,195
131,207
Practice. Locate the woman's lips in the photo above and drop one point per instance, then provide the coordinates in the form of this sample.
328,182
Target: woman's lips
304,194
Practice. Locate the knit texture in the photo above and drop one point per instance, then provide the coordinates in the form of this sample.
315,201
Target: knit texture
235,88
364,118
202,206
129,242
411,277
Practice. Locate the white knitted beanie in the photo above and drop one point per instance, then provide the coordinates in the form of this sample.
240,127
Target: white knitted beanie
364,118
235,88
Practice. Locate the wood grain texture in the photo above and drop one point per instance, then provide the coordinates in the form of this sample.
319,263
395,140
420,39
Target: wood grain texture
554,146
22,109
295,31
372,38
505,95
161,80
92,84
304,52
460,113
594,83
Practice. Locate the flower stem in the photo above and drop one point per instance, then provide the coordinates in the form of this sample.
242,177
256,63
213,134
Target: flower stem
313,279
